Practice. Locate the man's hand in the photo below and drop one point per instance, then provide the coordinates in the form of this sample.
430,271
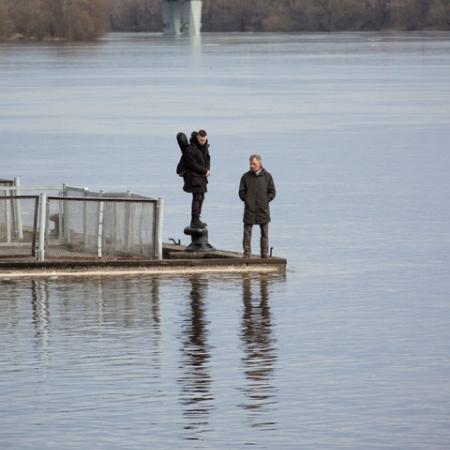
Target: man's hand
208,173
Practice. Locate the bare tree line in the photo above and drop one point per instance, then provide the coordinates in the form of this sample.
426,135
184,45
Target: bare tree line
326,15
87,19
54,19
292,15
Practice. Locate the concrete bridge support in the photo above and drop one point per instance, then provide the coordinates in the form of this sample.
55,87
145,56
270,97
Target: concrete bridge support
182,16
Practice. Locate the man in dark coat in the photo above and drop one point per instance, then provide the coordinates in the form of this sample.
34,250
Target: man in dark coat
197,163
256,189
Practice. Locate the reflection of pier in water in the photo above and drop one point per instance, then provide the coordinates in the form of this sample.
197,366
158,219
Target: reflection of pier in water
259,352
109,304
121,322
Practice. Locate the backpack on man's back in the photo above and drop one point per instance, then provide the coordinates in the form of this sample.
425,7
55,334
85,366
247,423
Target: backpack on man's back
183,143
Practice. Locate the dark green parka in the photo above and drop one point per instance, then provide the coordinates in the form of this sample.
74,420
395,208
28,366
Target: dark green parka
257,191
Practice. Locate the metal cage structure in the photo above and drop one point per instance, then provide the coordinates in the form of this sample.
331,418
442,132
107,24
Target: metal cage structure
76,223
101,227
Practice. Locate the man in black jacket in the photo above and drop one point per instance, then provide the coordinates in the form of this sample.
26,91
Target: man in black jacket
197,163
256,189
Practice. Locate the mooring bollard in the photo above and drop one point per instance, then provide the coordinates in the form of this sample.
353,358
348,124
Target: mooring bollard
199,240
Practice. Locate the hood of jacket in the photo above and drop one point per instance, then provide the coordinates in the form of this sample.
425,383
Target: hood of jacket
194,141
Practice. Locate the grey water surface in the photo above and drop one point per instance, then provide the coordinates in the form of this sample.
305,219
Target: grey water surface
350,349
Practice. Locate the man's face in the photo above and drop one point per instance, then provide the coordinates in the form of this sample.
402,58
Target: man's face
255,165
202,139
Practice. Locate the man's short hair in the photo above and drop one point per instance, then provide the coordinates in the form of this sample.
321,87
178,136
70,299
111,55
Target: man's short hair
255,156
202,133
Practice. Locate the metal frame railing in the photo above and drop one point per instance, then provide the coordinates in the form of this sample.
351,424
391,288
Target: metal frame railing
86,192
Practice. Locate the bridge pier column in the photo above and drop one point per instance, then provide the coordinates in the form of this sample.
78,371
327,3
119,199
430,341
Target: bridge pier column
182,16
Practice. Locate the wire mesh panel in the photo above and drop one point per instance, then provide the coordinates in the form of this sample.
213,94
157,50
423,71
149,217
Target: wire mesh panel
18,217
72,228
100,227
128,228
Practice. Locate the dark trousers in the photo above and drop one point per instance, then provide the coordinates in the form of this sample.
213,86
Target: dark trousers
264,242
197,203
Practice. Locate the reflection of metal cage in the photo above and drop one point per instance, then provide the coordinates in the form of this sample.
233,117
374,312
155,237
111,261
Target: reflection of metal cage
78,223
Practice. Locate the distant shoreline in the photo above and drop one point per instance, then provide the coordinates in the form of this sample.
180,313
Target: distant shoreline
18,37
82,20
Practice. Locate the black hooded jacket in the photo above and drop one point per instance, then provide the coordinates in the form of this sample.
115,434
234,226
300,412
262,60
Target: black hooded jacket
196,161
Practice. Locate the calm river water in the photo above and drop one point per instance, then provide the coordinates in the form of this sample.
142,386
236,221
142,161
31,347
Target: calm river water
349,350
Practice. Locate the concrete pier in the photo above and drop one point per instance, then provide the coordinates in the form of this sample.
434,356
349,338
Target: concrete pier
176,261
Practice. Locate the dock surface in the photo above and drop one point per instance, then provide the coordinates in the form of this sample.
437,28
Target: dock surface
175,261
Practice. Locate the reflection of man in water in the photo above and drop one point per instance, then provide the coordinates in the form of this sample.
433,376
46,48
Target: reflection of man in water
256,189
259,352
195,392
